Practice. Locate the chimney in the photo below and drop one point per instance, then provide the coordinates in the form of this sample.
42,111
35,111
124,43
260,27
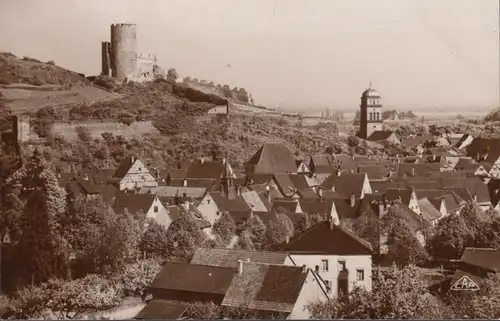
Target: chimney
475,197
202,160
184,182
320,192
353,200
287,239
223,161
304,268
86,177
353,157
132,159
268,194
248,260
240,267
413,171
238,190
338,172
333,188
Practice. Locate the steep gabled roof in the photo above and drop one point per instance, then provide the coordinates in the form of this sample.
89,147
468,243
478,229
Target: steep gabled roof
316,206
393,194
226,204
125,166
208,169
272,158
486,258
273,288
346,184
285,184
229,257
326,238
134,203
374,172
194,278
428,211
380,135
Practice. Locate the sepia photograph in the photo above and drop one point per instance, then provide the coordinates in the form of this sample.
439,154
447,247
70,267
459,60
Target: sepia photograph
250,159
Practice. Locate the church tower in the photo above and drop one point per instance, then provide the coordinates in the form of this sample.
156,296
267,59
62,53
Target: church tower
370,116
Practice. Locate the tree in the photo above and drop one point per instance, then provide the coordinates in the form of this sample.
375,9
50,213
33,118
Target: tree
101,240
255,230
72,299
154,241
450,237
279,229
184,236
303,223
137,277
172,75
396,294
83,134
42,251
403,246
224,228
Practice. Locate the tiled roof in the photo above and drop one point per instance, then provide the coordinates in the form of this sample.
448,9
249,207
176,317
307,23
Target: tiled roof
266,287
226,204
230,257
177,173
346,183
381,186
308,193
473,184
481,147
485,258
194,278
380,135
124,167
206,169
374,172
254,201
299,181
415,141
393,194
259,179
316,206
171,191
289,205
428,211
326,238
162,309
410,169
134,203
285,185
272,158
193,182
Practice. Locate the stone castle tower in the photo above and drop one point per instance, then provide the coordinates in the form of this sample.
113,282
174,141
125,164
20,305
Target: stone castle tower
120,55
370,116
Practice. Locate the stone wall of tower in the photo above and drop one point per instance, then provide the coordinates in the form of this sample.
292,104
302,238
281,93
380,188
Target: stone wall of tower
123,50
370,118
106,58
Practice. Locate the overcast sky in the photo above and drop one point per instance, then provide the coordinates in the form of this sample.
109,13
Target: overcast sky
295,53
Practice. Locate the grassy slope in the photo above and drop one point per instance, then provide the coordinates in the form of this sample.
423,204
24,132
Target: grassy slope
183,136
28,85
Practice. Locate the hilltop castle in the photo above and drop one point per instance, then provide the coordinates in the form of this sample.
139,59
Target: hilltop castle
120,59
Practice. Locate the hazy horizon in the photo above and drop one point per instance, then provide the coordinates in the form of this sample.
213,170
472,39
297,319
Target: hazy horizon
419,54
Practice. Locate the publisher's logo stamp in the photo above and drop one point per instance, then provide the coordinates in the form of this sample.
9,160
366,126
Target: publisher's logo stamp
464,284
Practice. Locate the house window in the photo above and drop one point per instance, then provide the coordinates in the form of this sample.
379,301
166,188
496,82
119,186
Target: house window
316,268
324,265
378,115
139,169
155,209
360,275
341,266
